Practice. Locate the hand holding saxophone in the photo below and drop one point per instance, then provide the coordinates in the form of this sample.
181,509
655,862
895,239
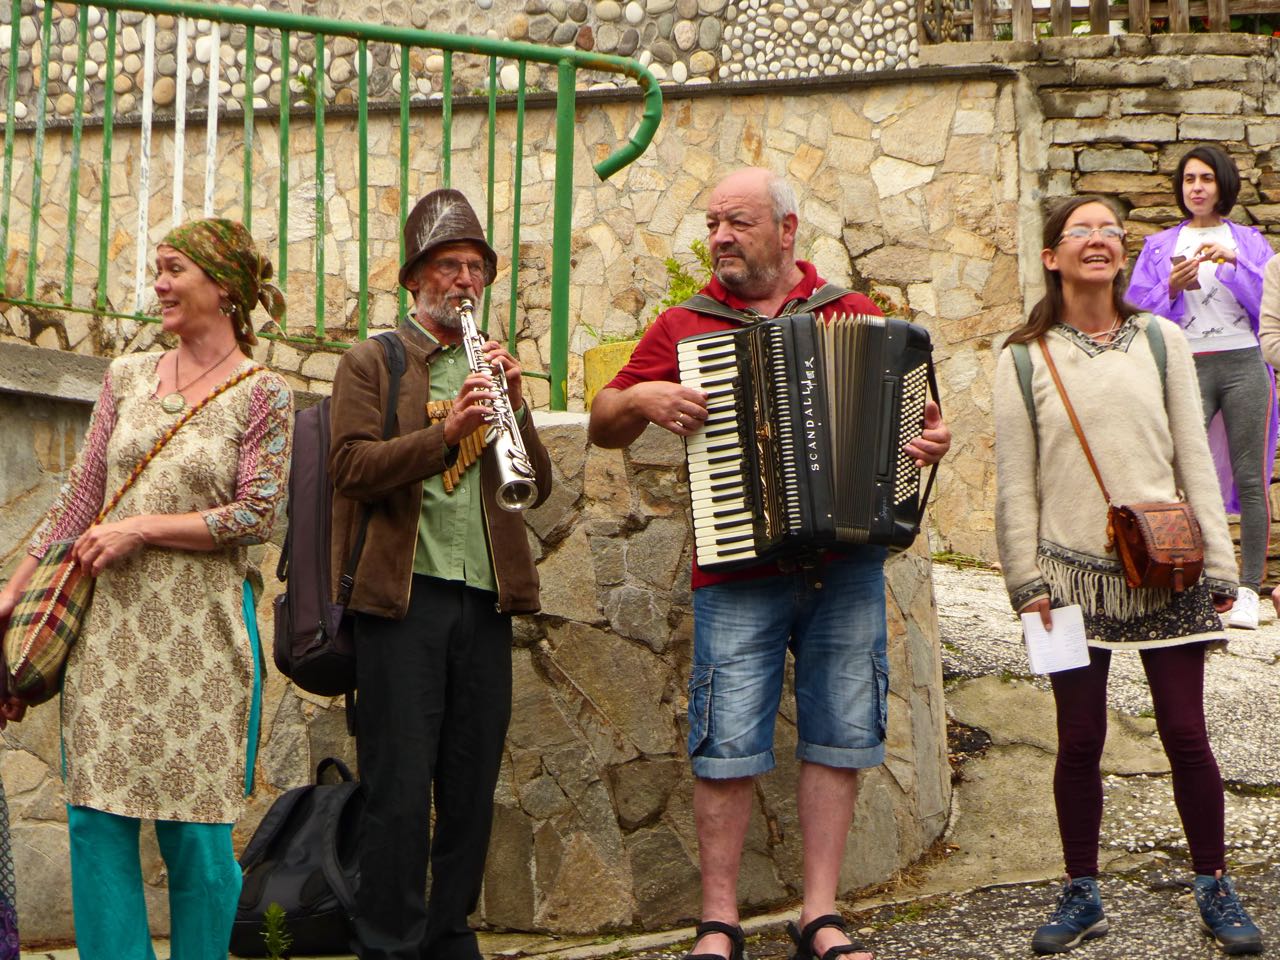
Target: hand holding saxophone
471,408
496,353
494,384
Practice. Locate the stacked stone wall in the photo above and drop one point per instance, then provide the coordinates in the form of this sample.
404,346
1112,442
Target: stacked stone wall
594,827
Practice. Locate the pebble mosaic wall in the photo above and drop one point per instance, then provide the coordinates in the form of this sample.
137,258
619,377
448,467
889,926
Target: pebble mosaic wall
680,41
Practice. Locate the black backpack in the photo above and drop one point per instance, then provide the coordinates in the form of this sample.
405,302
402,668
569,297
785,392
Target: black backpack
302,856
313,643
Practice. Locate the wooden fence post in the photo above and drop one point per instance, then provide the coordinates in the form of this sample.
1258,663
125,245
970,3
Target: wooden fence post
982,27
1060,17
1099,16
1140,17
1024,27
1179,16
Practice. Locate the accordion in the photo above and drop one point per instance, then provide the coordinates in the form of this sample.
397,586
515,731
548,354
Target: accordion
802,447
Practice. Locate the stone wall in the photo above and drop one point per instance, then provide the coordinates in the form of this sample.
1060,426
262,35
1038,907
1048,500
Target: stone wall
594,829
680,41
909,185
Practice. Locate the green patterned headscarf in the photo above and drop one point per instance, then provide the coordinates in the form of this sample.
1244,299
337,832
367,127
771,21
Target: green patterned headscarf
226,252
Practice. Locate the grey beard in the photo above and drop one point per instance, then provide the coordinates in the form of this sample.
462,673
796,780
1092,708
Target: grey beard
759,280
439,311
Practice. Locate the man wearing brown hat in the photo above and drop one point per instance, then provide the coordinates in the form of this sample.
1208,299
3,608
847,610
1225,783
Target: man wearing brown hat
442,571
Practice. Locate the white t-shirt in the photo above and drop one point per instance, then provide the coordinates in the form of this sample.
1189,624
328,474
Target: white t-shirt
1214,320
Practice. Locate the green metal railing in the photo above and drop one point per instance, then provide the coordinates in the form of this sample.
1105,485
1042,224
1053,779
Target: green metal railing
260,28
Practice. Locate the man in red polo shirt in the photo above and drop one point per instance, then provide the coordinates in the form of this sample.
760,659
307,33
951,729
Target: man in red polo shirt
832,619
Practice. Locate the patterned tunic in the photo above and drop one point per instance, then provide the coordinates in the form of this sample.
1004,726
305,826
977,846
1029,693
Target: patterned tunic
155,703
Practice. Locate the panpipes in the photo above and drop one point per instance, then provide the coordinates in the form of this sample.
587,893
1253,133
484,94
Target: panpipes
469,450
802,447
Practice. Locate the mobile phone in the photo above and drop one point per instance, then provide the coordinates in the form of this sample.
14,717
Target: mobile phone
1195,283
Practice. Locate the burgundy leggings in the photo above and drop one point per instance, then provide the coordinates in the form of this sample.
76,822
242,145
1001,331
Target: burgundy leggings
1176,678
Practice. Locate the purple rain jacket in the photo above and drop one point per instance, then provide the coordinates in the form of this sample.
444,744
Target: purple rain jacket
1149,290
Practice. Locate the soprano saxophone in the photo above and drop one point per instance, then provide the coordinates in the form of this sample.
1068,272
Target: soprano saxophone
516,487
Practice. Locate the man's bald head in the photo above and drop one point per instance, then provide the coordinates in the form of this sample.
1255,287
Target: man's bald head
751,233
764,183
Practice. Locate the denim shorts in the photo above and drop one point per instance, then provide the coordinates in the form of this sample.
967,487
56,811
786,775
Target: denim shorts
836,631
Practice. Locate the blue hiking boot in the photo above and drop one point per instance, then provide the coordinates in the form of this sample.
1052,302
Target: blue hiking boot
1078,918
1223,916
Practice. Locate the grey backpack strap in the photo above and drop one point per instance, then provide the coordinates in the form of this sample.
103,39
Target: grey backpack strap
1022,361
1155,339
701,303
827,293
821,297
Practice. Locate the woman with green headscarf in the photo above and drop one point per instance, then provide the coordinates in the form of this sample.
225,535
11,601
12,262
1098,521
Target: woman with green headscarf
161,693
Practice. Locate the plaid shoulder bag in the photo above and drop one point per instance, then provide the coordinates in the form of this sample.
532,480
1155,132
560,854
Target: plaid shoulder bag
47,618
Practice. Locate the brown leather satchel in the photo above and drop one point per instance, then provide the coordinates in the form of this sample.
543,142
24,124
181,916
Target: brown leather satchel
1159,544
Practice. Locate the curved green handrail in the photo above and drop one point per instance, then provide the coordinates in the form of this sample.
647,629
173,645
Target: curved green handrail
566,62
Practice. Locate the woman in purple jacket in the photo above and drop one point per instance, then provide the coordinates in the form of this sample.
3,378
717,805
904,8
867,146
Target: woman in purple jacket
1205,275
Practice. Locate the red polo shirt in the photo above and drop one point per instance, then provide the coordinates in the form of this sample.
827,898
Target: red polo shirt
655,359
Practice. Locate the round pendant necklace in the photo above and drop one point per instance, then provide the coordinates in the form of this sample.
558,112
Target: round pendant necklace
175,402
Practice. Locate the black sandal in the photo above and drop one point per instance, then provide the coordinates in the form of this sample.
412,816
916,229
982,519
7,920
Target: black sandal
732,931
803,940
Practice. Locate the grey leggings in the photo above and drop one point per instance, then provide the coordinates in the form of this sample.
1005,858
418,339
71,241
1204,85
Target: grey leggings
1236,382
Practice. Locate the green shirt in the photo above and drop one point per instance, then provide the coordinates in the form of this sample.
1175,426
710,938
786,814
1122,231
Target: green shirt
452,541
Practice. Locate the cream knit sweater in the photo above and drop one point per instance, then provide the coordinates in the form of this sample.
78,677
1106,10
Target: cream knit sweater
1050,515
1269,314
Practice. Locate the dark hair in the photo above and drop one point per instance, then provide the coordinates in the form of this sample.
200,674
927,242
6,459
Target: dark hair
1225,173
1049,310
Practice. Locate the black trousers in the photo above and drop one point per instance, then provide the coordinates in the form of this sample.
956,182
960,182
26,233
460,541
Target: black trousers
433,706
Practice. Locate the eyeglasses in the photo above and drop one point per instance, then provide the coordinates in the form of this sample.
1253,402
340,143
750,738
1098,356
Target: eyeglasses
1086,233
448,268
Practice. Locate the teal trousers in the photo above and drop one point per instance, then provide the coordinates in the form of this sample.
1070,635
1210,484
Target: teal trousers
107,890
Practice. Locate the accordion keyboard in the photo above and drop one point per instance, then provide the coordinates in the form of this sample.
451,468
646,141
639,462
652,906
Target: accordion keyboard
803,446
719,485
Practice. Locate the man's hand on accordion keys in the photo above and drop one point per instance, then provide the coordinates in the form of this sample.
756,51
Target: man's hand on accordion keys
934,440
680,409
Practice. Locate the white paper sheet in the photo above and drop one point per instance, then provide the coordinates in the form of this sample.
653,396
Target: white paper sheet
1063,647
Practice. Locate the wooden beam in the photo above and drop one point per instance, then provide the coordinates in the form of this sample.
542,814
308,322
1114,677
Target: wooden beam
1219,16
1024,27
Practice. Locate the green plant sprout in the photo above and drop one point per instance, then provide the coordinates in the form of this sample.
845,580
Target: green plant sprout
275,934
681,284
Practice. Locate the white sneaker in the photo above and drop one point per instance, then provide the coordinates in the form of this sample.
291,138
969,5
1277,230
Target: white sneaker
1244,615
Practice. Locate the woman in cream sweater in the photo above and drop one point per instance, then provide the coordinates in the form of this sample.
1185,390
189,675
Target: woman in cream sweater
1147,435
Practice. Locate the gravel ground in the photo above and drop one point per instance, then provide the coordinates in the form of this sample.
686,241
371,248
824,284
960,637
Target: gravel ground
1146,891
1151,911
981,636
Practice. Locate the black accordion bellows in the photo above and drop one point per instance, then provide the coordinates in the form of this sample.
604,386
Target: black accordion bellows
802,448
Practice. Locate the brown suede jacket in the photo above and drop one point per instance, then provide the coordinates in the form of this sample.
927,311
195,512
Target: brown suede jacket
388,475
